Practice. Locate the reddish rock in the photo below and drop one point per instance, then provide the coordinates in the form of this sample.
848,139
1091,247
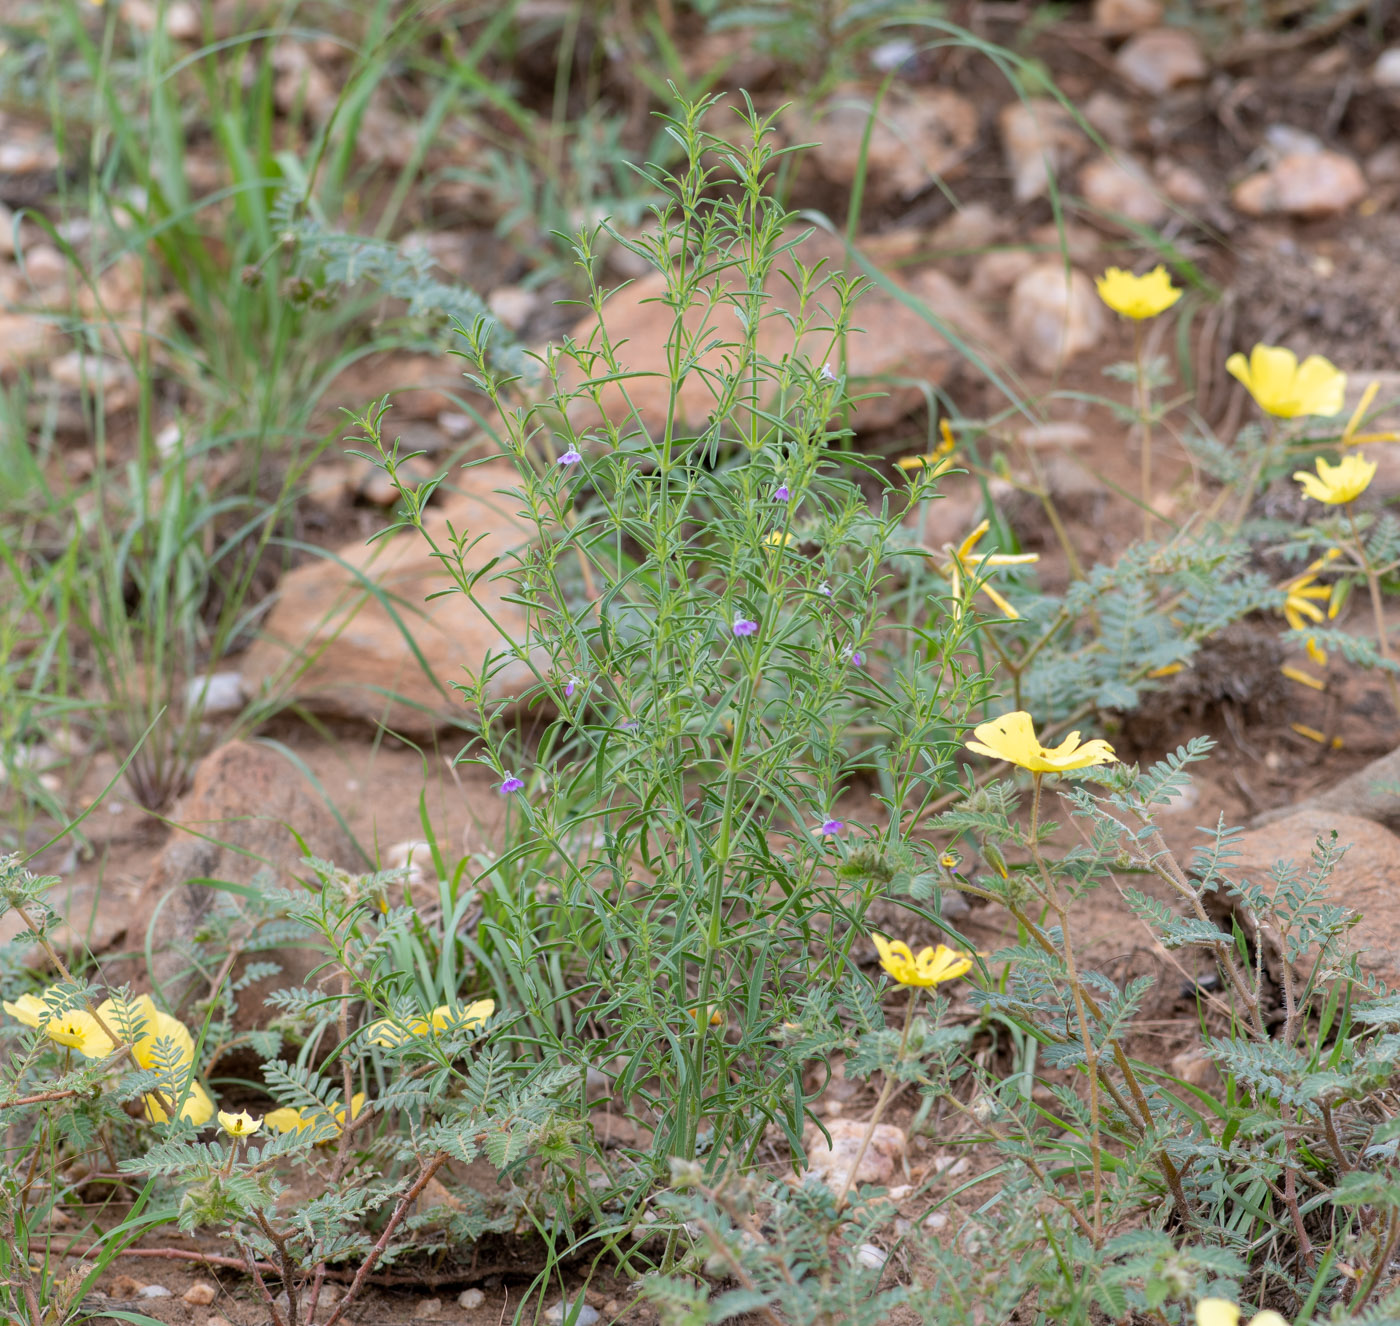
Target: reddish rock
1308,185
920,135
1122,187
831,1161
1117,18
1160,59
355,660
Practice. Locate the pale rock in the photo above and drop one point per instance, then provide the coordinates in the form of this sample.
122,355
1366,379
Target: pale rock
25,339
7,232
412,856
1122,187
217,1320
470,1299
429,1309
218,693
896,55
1284,140
1062,433
871,1257
170,440
583,1315
110,380
1196,1067
1055,315
920,135
25,150
832,1162
154,1291
200,1294
1038,137
971,228
455,424
182,21
512,305
1386,71
329,485
1383,165
1118,18
357,661
1363,881
1181,184
888,342
1111,117
1080,244
994,273
301,83
1160,59
44,266
936,1221
1308,185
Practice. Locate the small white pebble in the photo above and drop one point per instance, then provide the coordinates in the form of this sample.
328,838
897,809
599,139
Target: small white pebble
583,1314
200,1294
153,1291
900,1193
470,1299
871,1257
221,692
936,1221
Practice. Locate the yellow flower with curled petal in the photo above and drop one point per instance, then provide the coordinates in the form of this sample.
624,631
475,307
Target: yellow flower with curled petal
1137,297
28,1009
1283,387
1221,1312
239,1125
939,460
1340,483
198,1108
1012,738
932,966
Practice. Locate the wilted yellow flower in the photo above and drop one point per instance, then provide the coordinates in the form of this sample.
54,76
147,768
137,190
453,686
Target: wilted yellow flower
1303,678
1340,483
388,1033
931,967
239,1125
1137,297
964,561
939,459
1012,738
198,1108
1283,387
1221,1312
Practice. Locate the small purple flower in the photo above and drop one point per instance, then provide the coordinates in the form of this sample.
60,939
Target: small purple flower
826,374
570,687
743,626
782,493
853,656
511,784
570,457
824,589
830,828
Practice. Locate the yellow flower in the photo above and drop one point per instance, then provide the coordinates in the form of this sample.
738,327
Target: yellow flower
778,539
939,459
1012,738
1336,484
1284,388
1137,297
198,1108
1221,1312
287,1119
1303,678
931,967
239,1125
388,1033
78,1030
28,1008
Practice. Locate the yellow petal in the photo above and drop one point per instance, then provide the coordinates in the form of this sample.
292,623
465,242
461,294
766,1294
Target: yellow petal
198,1108
28,1009
1217,1312
1137,297
1358,414
1320,388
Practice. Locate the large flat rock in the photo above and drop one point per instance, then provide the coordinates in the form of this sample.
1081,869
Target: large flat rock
337,649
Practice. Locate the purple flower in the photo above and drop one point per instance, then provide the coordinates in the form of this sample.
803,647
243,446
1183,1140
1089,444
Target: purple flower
830,828
570,686
570,457
782,493
511,784
824,589
743,626
826,374
854,656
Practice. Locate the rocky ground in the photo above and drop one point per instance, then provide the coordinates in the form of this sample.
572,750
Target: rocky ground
1271,163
